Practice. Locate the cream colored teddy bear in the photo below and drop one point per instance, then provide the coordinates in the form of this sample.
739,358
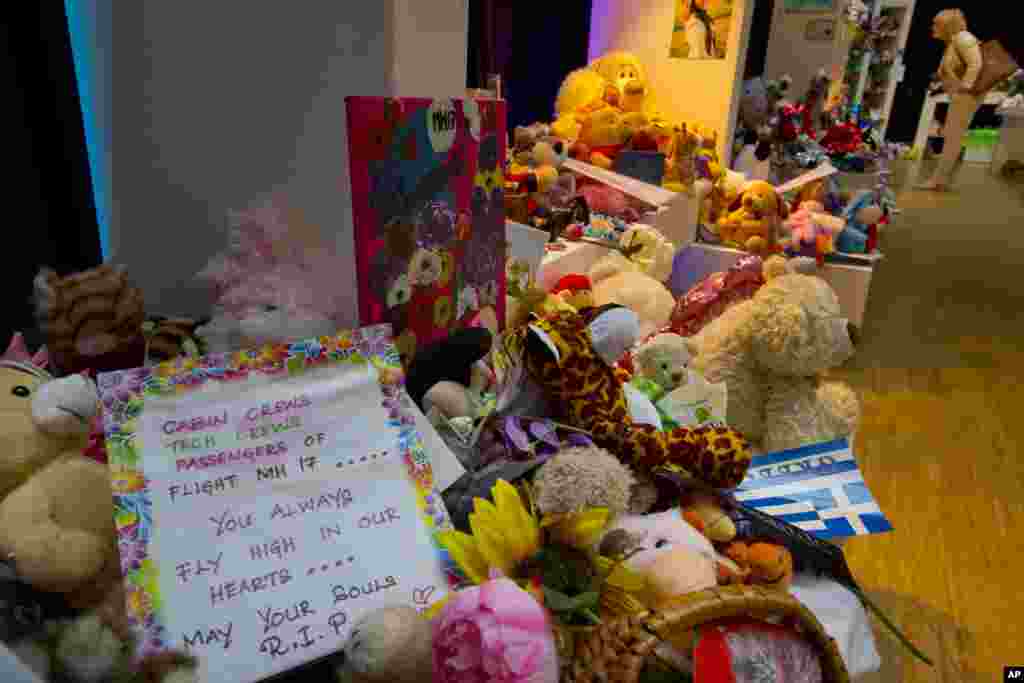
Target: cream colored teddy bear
40,418
56,507
771,352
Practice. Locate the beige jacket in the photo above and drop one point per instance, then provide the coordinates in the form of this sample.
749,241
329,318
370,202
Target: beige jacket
962,62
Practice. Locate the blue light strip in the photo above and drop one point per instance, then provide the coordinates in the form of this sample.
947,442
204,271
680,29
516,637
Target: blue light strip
81,25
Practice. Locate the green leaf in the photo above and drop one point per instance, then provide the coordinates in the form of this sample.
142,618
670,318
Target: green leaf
586,601
558,601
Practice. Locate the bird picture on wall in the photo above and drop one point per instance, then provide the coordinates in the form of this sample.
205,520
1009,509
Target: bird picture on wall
701,29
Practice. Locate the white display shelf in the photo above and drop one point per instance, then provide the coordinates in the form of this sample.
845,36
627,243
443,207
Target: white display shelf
927,120
851,281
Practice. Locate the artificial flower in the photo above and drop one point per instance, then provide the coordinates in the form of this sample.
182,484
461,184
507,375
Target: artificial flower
494,632
504,536
580,530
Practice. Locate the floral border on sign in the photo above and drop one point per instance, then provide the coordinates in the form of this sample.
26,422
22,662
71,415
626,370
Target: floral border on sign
124,392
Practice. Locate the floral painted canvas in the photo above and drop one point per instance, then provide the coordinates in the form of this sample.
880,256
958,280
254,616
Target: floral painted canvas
428,208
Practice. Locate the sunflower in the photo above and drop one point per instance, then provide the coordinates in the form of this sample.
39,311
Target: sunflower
580,530
505,535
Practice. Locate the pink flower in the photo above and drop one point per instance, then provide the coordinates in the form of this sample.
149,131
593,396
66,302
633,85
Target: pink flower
494,632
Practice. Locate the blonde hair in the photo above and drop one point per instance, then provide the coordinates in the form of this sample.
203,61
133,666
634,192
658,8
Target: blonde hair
951,22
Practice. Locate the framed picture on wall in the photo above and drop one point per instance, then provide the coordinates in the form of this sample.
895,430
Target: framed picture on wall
701,29
810,5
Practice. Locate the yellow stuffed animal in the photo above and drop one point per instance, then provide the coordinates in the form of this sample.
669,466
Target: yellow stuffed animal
616,80
604,133
754,224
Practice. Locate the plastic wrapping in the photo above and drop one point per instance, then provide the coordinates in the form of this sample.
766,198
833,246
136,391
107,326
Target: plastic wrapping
762,655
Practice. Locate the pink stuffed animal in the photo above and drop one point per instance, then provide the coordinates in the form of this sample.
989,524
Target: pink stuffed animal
271,285
812,231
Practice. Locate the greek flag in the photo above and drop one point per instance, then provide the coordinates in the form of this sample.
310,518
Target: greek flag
817,488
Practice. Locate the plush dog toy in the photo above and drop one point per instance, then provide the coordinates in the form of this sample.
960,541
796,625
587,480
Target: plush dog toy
753,225
572,359
771,351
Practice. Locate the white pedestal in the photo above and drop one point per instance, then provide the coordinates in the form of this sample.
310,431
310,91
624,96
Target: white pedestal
924,124
850,282
1011,140
576,258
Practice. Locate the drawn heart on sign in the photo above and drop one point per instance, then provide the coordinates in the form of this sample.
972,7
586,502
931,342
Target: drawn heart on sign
421,596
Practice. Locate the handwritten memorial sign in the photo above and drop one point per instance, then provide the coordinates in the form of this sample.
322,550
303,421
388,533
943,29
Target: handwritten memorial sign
266,499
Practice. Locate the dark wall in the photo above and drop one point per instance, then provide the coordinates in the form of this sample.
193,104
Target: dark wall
986,20
50,213
760,32
547,44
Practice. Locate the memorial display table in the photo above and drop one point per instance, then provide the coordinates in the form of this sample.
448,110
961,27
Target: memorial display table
851,279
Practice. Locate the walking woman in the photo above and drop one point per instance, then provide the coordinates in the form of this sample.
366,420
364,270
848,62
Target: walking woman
958,71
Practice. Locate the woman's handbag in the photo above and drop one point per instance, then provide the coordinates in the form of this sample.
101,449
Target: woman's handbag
996,66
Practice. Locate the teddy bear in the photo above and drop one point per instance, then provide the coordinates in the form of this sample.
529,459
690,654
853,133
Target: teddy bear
617,280
771,351
56,507
682,397
58,530
571,360
754,224
43,417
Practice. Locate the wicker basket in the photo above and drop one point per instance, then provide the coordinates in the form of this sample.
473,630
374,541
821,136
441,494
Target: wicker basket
617,651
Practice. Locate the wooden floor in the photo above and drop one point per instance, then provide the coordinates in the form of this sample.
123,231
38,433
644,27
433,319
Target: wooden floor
941,375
